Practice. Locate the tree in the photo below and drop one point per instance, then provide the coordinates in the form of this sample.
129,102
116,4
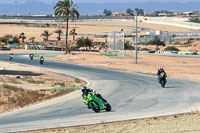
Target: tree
88,43
127,45
84,42
107,12
5,39
22,36
73,33
59,32
140,12
129,11
65,10
156,42
80,42
46,35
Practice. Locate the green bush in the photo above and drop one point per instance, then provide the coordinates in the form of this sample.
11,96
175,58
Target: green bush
171,48
84,42
128,46
156,41
195,53
145,49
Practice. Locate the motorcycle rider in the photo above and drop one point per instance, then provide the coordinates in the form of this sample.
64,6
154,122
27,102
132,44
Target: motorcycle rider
41,59
31,55
161,70
86,90
11,56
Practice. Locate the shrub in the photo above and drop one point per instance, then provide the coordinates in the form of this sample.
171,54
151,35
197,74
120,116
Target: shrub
128,46
144,49
156,41
195,53
171,48
84,42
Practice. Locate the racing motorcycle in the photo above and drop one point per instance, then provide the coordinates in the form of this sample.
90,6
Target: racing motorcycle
162,79
95,103
31,56
10,56
41,60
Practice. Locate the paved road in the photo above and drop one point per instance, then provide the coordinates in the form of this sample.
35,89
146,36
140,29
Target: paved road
131,96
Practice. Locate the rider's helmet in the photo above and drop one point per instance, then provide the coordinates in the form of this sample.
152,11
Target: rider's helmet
84,88
161,69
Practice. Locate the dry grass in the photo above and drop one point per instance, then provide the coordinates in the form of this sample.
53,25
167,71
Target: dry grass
31,80
17,91
13,97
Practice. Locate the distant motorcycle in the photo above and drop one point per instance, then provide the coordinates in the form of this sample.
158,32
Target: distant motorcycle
42,61
10,56
162,79
31,56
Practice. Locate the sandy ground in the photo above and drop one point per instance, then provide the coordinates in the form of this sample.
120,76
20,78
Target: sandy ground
80,29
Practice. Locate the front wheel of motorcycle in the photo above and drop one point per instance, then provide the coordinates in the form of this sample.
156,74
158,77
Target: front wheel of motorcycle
95,107
108,107
163,83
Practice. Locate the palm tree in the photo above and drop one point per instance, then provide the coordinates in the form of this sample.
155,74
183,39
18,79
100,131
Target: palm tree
65,10
46,35
59,32
73,32
22,36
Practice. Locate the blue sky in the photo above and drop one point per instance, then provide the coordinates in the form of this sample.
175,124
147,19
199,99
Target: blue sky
101,1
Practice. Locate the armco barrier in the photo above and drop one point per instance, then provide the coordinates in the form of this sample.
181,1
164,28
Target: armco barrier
4,48
54,49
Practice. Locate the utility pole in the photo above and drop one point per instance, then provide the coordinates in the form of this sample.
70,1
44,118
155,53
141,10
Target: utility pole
136,36
16,2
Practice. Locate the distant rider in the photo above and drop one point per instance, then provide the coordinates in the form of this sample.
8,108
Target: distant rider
41,57
31,56
86,90
161,70
11,56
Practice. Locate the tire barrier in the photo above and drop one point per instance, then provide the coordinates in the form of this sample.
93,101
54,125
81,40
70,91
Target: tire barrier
34,47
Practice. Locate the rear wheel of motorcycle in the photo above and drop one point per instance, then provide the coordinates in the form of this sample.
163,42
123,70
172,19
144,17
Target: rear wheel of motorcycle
95,107
108,107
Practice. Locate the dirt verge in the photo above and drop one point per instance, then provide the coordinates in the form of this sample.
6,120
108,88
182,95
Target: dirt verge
21,86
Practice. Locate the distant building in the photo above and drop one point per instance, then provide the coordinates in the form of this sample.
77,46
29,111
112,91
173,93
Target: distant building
167,14
197,13
39,15
120,14
148,14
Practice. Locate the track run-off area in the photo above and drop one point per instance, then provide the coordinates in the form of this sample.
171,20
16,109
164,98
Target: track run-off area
131,95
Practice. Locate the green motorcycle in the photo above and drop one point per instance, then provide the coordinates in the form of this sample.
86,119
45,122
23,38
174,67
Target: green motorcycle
95,103
162,80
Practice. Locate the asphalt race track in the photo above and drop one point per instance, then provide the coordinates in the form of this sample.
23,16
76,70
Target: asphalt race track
131,96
